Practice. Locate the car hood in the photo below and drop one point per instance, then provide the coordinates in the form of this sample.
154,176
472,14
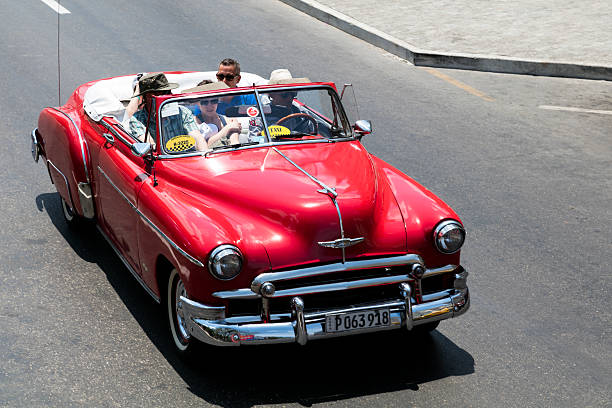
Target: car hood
271,197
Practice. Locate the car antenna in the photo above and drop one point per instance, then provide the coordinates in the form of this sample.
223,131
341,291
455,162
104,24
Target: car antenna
59,77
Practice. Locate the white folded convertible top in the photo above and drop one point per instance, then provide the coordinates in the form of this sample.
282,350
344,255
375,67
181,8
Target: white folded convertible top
105,97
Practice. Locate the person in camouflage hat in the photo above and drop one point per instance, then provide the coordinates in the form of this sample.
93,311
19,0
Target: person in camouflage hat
140,108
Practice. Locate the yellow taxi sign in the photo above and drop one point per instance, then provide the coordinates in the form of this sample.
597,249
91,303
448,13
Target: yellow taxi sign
180,143
277,130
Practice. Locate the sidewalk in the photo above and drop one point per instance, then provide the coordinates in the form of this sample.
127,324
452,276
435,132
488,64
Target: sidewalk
552,38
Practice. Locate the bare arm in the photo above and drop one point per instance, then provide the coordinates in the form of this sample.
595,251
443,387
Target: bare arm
232,129
201,144
133,106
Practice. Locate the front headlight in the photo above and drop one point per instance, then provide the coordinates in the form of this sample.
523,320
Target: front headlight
449,236
225,262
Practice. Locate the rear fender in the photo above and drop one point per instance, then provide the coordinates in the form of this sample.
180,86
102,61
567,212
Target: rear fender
67,158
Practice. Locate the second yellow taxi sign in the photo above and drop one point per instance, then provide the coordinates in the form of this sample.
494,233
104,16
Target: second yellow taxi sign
277,130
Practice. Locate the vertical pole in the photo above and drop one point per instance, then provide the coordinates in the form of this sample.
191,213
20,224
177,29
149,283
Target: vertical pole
59,78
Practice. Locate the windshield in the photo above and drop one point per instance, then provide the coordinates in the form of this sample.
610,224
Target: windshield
292,115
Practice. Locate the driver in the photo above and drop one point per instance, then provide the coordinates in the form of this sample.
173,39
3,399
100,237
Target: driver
140,107
281,102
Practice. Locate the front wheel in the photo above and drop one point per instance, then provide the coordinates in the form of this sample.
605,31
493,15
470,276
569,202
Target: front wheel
183,341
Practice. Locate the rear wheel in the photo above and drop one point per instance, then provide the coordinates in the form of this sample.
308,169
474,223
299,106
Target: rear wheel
70,216
183,341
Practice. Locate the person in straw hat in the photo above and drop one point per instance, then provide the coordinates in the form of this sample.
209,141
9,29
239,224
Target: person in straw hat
140,108
282,101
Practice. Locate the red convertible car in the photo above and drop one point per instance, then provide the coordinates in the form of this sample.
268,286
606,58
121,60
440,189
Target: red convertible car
287,231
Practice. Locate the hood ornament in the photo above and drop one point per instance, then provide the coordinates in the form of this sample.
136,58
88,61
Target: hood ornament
342,243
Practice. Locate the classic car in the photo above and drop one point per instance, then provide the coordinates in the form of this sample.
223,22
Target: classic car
290,232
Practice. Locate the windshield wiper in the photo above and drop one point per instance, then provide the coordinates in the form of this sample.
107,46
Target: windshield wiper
295,135
235,145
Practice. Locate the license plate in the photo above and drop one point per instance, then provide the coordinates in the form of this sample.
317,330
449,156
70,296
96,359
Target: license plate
357,320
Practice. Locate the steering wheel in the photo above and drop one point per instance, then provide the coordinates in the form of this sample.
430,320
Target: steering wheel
302,119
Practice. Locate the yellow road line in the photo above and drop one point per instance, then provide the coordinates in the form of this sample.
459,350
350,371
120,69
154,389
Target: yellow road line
458,84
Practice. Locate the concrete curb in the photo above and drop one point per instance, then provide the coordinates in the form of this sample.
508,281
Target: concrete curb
476,62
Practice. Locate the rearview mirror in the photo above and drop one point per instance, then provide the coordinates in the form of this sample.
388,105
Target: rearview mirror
141,149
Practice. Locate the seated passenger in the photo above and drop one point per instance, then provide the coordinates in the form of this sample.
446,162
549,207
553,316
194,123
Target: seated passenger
229,73
216,129
139,109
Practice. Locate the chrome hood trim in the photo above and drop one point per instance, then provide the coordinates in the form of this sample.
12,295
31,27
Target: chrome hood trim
342,242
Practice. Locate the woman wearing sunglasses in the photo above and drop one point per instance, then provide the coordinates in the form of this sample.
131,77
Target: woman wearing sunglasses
217,129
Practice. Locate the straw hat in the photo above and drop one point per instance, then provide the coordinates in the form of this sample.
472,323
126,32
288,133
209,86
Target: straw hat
283,76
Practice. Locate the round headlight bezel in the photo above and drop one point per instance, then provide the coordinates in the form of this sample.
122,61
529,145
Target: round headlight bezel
443,229
217,254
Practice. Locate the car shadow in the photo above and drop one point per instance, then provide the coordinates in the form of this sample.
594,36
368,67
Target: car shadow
319,372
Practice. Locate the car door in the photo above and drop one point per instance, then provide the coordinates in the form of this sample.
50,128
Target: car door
121,175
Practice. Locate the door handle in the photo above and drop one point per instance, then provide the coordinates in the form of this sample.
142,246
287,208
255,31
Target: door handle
110,139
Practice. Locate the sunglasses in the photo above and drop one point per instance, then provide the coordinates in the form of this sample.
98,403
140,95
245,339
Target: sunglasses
211,101
229,77
287,95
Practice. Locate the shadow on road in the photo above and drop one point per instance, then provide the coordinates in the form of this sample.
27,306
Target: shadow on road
322,371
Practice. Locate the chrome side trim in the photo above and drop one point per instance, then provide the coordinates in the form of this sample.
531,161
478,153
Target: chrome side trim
129,267
65,181
155,227
118,190
82,142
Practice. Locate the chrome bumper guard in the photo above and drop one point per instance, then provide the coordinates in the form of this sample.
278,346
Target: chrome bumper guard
209,324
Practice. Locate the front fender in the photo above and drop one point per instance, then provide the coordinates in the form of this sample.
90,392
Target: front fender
185,230
422,210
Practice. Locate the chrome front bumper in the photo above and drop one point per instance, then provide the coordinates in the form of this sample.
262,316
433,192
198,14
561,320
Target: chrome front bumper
209,325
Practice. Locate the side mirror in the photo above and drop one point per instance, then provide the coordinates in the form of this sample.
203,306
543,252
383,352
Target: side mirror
141,149
362,128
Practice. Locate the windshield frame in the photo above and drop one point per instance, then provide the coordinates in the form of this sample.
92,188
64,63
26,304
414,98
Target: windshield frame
257,91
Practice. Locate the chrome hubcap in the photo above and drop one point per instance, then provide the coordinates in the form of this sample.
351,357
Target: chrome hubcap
180,291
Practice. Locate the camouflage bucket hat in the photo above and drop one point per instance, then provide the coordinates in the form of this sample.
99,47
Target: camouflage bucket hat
153,83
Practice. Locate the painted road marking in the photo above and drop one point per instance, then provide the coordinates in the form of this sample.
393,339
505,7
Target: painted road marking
458,84
56,7
579,110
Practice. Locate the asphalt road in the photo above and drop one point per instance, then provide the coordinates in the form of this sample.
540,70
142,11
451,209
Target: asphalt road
532,186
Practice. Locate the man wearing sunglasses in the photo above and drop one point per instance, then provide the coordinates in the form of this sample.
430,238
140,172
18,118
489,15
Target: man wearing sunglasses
229,73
